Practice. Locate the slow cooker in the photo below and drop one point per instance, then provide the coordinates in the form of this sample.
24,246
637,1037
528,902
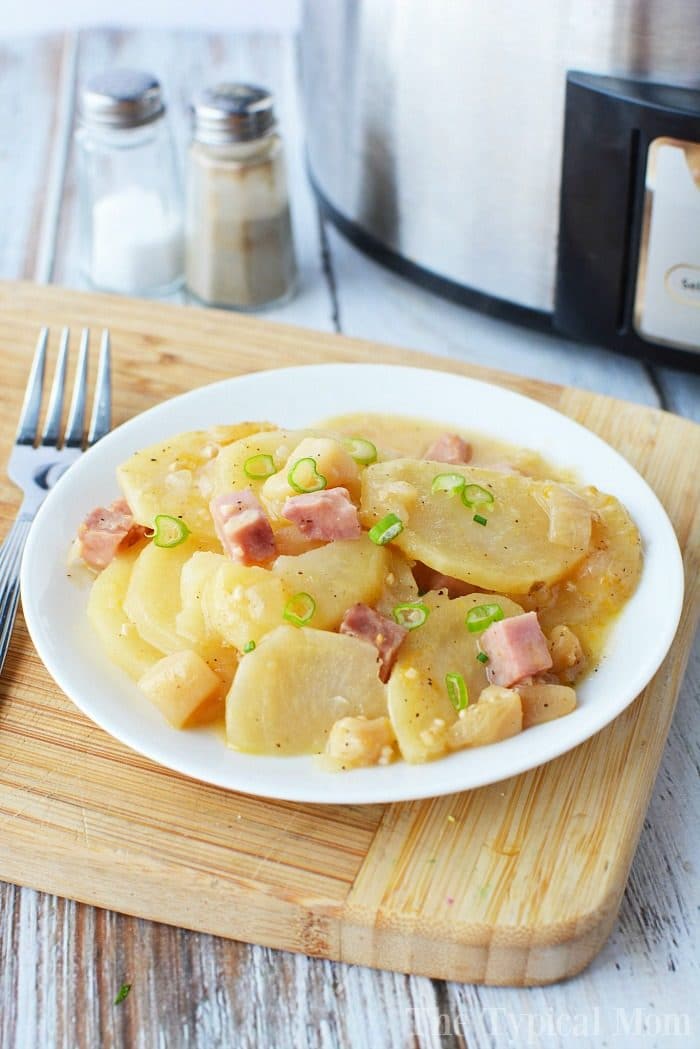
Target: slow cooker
538,160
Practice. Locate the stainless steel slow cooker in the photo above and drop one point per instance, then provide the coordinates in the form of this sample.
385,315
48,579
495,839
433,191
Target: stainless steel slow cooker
539,159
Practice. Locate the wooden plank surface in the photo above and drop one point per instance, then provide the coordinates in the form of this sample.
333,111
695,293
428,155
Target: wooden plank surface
214,992
439,888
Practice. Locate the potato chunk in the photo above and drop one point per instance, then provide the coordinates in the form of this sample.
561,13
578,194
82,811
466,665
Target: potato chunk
122,641
184,689
336,576
176,476
510,554
419,706
545,702
356,742
298,682
495,716
568,658
331,460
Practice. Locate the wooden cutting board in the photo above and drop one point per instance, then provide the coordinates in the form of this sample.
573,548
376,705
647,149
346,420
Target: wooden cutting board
516,883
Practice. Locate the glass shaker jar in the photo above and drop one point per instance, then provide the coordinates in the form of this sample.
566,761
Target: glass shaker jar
239,251
129,191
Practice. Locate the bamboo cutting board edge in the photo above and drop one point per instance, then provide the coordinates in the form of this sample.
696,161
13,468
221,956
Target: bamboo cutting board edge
381,909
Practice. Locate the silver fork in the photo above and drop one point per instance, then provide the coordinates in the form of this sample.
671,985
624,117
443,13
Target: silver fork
38,460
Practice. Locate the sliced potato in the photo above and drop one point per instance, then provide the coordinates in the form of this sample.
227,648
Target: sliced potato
336,576
176,476
242,603
600,585
297,683
399,585
185,690
510,554
419,706
122,641
153,603
153,599
332,461
192,621
545,702
230,466
496,715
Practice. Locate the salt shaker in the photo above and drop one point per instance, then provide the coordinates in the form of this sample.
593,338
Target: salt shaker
130,198
239,248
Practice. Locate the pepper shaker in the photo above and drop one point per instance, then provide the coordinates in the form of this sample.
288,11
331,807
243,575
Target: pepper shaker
130,198
239,245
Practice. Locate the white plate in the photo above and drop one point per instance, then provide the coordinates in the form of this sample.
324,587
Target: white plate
54,606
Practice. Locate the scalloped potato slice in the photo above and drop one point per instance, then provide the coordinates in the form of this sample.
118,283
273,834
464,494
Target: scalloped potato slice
242,603
153,603
105,611
509,554
192,621
419,707
601,583
399,585
336,576
152,600
176,475
229,469
297,683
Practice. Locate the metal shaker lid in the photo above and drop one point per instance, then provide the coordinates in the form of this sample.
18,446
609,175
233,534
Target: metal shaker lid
232,113
121,98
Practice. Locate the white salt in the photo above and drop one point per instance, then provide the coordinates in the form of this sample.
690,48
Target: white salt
136,245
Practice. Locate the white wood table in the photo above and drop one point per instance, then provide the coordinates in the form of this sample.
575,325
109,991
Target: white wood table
62,963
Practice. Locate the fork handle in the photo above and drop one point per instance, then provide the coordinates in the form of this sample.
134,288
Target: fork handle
10,561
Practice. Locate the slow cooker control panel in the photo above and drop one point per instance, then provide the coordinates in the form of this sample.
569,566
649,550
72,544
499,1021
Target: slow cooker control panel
628,263
667,300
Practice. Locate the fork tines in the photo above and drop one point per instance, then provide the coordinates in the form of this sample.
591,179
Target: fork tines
100,421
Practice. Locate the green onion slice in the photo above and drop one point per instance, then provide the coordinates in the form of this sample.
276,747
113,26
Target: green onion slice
362,450
304,476
457,691
249,647
386,529
479,519
474,495
450,484
411,614
299,609
169,531
122,993
258,467
482,616
482,657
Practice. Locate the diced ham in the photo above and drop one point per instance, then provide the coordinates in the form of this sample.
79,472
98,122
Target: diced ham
516,648
243,528
328,514
449,448
105,530
369,625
